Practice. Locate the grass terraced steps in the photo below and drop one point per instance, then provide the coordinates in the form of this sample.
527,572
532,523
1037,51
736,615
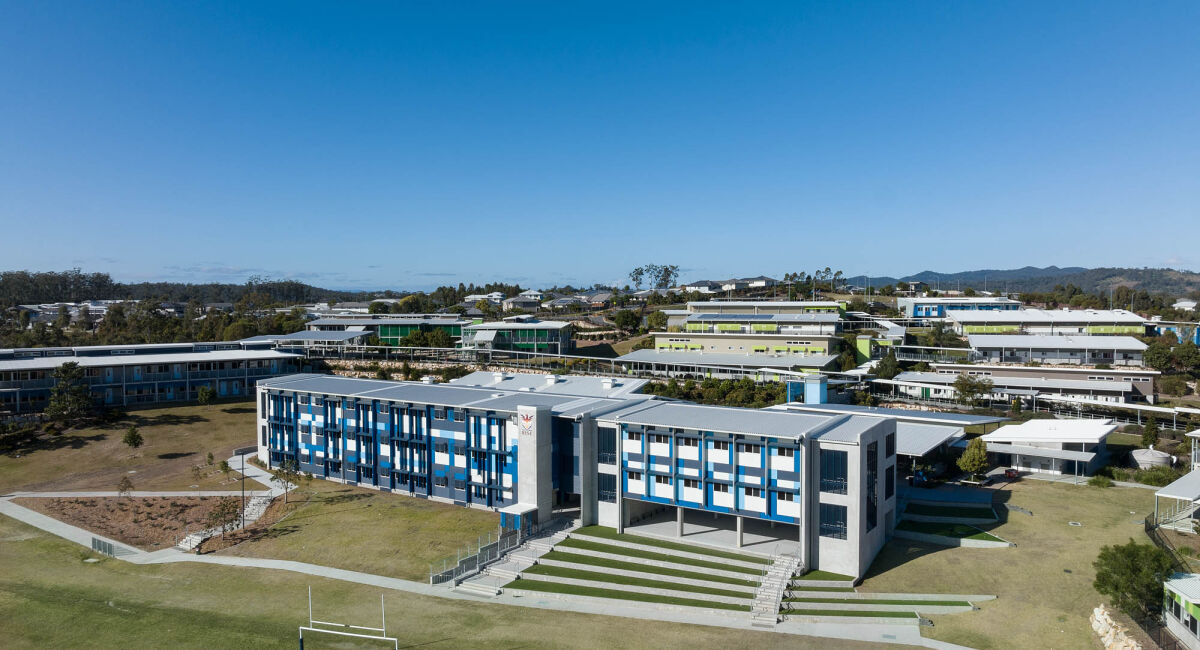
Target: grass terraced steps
590,561
597,592
581,574
656,557
916,604
612,534
964,512
957,531
852,613
817,574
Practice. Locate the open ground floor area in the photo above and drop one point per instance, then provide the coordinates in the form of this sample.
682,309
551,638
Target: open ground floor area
711,529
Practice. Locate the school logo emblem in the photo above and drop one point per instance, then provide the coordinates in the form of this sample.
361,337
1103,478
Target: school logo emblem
526,424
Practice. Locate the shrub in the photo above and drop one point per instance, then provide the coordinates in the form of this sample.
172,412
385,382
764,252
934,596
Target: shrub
1100,481
1156,476
1173,385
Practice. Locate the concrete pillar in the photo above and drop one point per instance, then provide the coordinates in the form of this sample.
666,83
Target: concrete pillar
678,522
620,508
739,531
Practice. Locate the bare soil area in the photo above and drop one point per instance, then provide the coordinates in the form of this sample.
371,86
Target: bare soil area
148,523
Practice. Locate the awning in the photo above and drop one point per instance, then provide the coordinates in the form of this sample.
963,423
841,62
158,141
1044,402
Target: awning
1041,452
1187,488
484,336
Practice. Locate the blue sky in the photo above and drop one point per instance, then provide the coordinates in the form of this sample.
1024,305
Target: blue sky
373,145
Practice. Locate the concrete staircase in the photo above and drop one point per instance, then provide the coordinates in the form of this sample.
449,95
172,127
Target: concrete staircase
256,506
775,581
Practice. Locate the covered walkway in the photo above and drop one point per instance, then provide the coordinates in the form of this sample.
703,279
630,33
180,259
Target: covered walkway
758,536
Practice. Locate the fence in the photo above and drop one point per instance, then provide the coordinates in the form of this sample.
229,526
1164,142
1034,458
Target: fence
1160,540
103,547
490,548
1080,412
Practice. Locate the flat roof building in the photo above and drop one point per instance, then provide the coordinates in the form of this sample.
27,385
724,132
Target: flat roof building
940,386
1141,379
1071,447
1181,608
1040,348
918,307
390,329
1047,321
520,334
822,487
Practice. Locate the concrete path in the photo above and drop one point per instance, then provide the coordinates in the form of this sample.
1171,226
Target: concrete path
1082,480
139,493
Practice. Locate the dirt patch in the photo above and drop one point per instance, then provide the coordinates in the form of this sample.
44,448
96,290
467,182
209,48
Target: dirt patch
260,529
144,522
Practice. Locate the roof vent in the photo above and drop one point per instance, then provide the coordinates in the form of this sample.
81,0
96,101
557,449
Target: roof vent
551,380
499,376
427,379
607,383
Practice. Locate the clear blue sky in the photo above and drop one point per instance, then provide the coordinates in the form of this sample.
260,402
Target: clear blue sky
371,145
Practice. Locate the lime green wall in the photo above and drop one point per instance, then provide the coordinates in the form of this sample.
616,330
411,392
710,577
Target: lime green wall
991,329
1116,329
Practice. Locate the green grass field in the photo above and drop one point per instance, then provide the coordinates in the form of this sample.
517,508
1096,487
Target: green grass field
957,531
94,458
588,560
367,530
846,612
949,511
51,598
616,594
1043,584
571,543
579,574
822,575
611,533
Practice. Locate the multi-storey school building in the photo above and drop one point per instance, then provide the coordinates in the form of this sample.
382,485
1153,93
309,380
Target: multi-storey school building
921,307
1042,348
393,327
1048,322
823,485
520,333
125,375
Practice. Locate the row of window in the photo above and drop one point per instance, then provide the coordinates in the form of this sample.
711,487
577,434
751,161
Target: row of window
717,487
718,445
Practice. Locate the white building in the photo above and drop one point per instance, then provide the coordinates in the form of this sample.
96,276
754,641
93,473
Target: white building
1071,447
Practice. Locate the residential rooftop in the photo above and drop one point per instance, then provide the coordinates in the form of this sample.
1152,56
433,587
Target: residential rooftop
1048,342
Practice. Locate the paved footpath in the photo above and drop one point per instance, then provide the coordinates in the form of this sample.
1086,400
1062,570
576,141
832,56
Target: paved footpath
907,634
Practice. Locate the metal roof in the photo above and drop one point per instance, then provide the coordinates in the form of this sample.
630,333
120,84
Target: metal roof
731,360
1041,452
728,419
1048,342
310,335
395,320
1185,487
1185,584
46,363
579,385
1053,431
773,304
816,317
1019,382
1045,316
508,325
933,417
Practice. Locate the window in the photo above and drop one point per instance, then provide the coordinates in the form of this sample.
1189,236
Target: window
460,484
662,480
441,447
304,399
753,492
439,481
889,445
691,483
634,476
660,439
439,414
319,401
787,452
833,521
785,496
607,488
687,442
889,482
833,471
720,487
749,449
458,415
721,445
633,436
872,486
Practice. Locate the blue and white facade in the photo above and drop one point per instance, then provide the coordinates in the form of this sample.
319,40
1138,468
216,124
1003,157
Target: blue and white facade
129,375
937,307
825,485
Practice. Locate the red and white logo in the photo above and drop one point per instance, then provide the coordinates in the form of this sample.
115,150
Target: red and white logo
526,424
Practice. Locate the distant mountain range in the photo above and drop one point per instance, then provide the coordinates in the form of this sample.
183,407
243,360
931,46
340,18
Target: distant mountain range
1032,278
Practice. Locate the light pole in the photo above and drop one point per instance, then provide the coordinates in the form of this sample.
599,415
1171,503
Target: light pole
243,490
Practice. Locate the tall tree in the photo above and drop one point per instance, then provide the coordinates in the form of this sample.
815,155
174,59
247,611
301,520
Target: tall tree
70,400
132,438
1132,575
974,460
287,475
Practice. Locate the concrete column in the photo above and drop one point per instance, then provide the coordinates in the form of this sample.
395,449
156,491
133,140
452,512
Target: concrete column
678,521
739,531
620,508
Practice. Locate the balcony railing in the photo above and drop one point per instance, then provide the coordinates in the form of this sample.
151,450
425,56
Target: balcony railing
833,485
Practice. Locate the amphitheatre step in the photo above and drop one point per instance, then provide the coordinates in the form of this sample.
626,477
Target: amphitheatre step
675,544
851,606
848,618
648,580
603,596
691,555
647,575
589,562
656,591
664,561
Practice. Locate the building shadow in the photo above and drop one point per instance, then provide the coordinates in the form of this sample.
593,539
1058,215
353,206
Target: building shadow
161,420
899,552
176,454
238,410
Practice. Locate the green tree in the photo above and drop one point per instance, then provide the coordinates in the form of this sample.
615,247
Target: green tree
974,460
656,321
224,515
63,321
378,308
209,457
205,395
970,390
888,367
124,486
225,468
1187,356
627,320
1132,575
1150,432
439,338
1016,406
133,438
1158,356
287,475
70,400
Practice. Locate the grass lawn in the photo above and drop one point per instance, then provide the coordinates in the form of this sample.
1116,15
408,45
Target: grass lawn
588,560
959,531
798,585
366,530
881,601
1043,585
822,575
50,598
949,511
176,439
611,533
616,594
579,574
647,555
621,348
847,612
